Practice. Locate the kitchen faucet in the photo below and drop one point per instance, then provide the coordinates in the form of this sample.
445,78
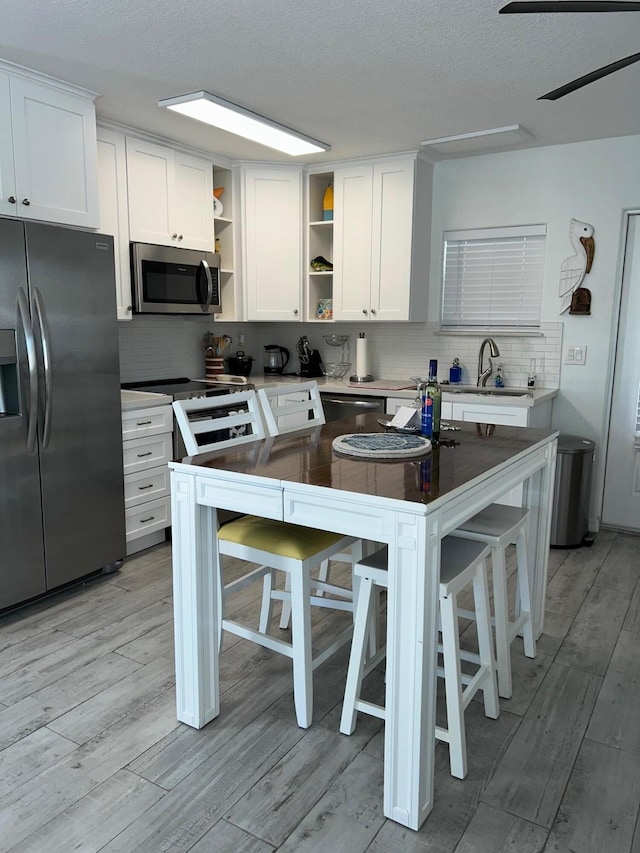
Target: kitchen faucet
483,375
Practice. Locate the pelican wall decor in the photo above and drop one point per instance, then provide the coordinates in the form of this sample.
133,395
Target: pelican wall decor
574,269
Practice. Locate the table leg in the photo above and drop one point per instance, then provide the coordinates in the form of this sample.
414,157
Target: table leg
196,592
539,499
414,560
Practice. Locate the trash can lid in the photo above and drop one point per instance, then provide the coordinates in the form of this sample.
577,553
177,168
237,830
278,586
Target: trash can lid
575,444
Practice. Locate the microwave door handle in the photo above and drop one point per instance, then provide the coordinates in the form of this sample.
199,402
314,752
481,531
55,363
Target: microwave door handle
23,311
46,362
205,267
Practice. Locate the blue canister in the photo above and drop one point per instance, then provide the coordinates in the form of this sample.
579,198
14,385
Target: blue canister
455,372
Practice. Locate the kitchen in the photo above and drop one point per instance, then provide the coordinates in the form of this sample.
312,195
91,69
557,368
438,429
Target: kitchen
548,184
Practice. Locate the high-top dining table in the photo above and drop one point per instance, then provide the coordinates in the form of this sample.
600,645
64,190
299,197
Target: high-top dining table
408,504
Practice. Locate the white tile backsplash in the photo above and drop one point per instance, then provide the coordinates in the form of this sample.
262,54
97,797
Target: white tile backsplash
154,347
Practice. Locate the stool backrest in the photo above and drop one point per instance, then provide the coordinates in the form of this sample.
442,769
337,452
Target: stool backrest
214,423
303,408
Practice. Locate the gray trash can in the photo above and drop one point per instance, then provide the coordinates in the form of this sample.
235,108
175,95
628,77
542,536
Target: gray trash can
570,520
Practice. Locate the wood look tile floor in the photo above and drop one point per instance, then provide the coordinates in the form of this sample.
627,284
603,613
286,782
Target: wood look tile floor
93,759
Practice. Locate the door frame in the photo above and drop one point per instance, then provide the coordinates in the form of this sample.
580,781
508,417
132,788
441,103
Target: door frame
627,213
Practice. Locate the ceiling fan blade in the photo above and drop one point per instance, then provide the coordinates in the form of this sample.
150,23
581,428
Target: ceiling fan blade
570,6
590,78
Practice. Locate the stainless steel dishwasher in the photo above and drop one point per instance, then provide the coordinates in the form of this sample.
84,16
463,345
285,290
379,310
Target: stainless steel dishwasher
337,406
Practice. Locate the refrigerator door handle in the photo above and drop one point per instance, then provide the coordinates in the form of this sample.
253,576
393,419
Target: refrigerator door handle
205,266
23,311
46,362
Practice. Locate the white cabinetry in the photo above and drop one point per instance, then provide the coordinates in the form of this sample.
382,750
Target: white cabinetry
272,242
170,197
382,213
227,243
114,214
147,450
47,152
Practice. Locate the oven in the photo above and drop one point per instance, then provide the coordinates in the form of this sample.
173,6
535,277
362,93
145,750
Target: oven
186,389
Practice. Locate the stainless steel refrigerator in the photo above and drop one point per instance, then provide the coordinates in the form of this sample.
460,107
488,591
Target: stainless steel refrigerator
61,477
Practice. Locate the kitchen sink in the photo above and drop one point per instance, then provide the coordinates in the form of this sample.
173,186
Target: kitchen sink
483,391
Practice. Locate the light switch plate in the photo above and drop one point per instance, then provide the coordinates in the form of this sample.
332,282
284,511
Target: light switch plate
575,354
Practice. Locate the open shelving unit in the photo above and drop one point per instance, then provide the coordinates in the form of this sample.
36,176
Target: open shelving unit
224,234
319,285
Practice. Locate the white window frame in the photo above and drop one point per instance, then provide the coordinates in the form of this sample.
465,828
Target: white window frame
524,272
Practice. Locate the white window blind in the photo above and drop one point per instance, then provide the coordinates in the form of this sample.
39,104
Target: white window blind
493,278
638,417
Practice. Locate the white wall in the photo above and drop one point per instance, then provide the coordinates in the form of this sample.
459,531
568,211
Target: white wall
592,181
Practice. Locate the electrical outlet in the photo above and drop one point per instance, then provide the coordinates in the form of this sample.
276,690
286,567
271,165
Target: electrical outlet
575,354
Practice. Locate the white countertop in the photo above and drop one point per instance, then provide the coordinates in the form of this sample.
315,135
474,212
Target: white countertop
389,388
142,400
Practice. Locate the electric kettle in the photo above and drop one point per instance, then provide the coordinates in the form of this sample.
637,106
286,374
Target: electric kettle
276,359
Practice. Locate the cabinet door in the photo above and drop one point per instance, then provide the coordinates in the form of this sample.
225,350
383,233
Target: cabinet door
7,181
191,202
272,248
352,211
490,414
150,178
114,215
54,136
393,188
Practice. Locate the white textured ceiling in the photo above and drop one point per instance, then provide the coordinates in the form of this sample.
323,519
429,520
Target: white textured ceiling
366,76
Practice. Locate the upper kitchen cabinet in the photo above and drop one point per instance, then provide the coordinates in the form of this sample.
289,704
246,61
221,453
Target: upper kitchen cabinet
114,214
381,231
272,242
47,151
170,197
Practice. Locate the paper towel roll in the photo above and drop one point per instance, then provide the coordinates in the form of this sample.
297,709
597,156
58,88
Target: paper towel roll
362,365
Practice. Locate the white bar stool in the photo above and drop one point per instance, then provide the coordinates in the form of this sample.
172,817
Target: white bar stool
500,526
462,562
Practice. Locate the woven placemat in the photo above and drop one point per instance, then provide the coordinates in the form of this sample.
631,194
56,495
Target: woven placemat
381,445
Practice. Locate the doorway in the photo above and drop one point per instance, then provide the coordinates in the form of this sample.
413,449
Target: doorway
621,502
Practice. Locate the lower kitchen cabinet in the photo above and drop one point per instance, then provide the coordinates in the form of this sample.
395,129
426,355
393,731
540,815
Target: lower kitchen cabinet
147,446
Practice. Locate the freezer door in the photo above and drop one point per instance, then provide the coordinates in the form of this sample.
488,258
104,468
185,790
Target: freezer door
72,289
22,573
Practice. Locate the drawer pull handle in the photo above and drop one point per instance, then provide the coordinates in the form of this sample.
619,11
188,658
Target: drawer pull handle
140,455
142,488
142,423
144,520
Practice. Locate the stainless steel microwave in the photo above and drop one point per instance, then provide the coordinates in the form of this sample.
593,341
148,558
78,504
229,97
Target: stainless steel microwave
168,280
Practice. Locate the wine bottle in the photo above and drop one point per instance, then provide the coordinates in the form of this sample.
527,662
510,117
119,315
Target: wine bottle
431,404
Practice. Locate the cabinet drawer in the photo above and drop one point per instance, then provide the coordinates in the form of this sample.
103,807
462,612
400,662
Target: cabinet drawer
142,453
141,422
143,486
505,415
147,518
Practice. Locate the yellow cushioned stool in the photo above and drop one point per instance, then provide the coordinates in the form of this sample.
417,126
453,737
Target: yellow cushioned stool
295,550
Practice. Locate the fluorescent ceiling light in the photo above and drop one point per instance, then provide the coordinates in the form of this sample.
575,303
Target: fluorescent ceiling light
210,109
512,134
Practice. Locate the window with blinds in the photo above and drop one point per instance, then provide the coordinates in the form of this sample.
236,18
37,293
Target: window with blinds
493,277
